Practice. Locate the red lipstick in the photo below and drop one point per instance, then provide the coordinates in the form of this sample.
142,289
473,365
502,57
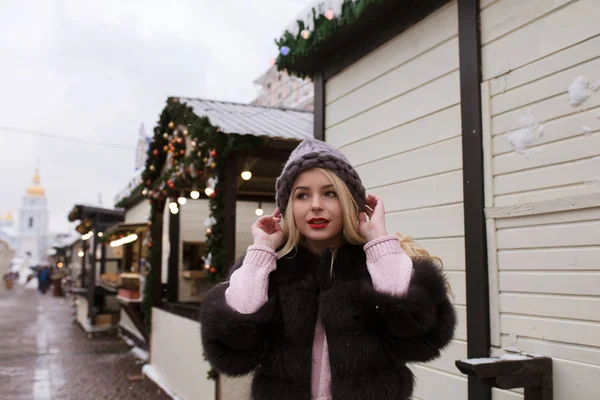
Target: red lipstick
318,223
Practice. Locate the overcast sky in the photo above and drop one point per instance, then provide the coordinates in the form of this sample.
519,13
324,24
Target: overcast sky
96,70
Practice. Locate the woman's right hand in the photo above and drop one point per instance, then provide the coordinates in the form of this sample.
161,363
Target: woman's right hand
266,231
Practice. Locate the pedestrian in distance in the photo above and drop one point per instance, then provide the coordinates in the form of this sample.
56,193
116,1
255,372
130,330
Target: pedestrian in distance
328,306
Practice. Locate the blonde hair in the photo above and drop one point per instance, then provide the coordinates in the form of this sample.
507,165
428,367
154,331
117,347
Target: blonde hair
293,237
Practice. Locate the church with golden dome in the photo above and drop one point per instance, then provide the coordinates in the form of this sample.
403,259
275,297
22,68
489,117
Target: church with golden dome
30,238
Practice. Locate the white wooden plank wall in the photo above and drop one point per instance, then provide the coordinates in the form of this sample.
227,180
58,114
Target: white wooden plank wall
245,217
138,214
548,265
396,116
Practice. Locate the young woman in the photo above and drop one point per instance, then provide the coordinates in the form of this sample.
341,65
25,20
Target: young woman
329,307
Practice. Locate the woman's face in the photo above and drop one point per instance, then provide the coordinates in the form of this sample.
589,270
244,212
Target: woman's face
317,209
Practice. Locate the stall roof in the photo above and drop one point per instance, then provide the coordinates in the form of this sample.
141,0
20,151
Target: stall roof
356,28
249,119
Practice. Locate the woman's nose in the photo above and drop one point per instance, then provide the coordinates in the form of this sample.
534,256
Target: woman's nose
316,203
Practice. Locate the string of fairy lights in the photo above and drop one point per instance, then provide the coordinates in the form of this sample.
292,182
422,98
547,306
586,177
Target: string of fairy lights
304,34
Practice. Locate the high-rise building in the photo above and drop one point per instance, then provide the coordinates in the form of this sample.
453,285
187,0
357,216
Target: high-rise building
278,89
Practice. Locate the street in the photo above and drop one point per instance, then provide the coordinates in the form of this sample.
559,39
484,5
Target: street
44,355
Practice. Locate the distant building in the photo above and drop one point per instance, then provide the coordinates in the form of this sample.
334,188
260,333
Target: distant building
278,89
30,238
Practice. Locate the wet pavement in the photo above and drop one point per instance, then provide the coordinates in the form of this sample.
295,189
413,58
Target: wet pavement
44,355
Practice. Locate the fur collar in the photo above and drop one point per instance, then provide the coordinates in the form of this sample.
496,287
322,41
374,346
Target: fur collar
349,263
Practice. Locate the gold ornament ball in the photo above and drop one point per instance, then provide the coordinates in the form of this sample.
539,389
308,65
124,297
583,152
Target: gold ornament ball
152,168
213,164
171,125
165,135
185,132
205,160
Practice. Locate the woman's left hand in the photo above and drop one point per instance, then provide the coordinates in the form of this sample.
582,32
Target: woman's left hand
375,227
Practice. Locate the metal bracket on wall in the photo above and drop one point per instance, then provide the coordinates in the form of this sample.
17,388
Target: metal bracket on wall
533,373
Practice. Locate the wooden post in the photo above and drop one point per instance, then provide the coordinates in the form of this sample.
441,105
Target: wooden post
230,189
319,106
84,248
477,285
91,294
157,231
173,271
103,258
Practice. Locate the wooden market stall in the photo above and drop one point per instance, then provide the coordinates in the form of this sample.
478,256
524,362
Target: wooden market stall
211,169
96,288
479,117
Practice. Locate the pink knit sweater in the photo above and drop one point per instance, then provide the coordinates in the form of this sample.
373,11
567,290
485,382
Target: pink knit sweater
390,270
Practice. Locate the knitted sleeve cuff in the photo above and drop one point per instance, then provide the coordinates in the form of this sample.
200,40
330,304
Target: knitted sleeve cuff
261,256
249,285
382,246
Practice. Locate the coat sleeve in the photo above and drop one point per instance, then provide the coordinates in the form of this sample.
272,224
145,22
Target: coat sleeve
234,343
418,324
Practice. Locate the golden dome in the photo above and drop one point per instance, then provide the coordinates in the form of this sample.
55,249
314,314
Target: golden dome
36,190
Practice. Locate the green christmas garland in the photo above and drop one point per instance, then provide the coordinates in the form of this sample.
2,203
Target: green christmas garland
178,127
303,50
149,275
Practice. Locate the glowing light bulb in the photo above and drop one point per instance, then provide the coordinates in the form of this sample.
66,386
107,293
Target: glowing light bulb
246,175
194,194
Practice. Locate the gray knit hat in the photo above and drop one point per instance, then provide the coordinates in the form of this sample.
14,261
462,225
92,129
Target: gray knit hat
313,153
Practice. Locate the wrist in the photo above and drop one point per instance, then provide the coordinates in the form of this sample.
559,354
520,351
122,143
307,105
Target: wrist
264,243
377,235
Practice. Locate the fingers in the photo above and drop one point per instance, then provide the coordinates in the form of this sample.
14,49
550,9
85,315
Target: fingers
374,202
276,213
362,218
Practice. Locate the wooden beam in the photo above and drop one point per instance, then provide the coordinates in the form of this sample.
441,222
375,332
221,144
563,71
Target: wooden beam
267,198
230,194
91,293
157,234
173,271
319,106
546,206
476,262
84,248
264,153
102,258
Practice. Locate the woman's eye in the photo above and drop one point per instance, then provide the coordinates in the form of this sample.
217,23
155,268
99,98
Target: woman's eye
301,196
331,194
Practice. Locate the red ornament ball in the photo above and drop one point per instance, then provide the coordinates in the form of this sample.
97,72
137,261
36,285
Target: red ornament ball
213,153
155,152
213,270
